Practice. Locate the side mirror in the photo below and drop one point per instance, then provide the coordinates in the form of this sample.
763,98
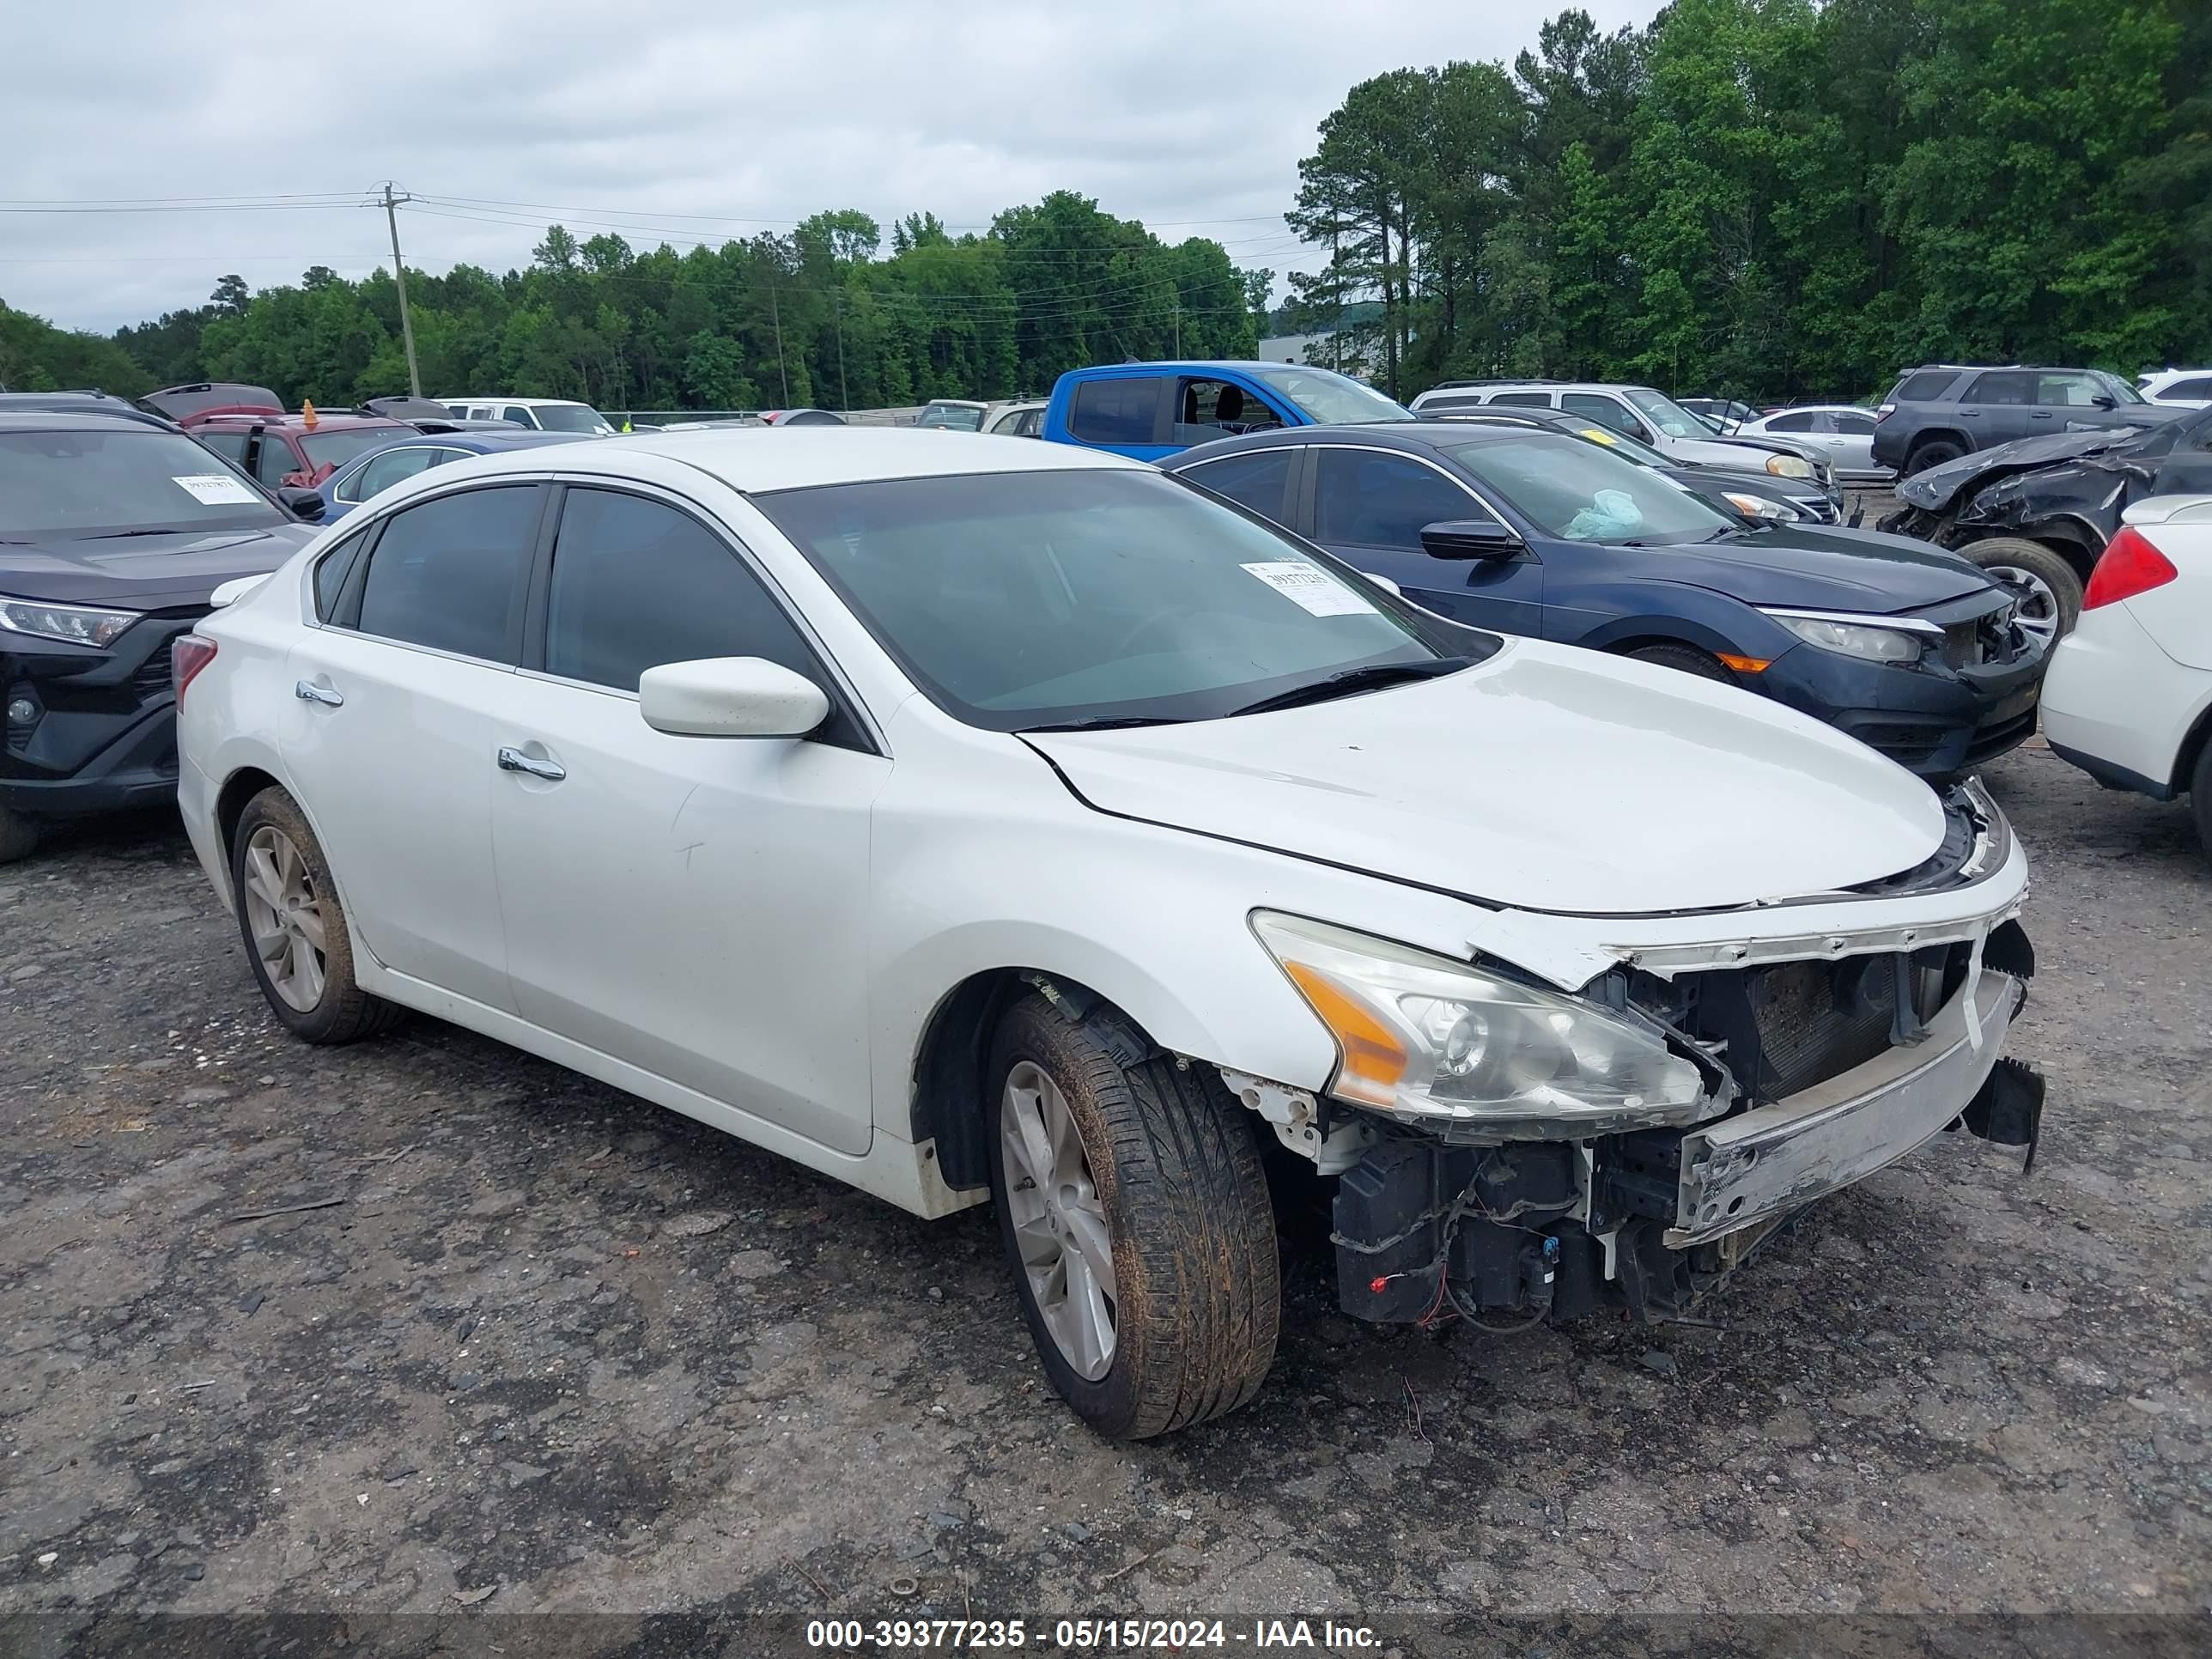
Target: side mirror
730,697
305,503
1469,538
2104,402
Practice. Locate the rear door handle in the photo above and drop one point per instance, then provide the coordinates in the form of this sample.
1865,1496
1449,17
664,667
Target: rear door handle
308,691
513,760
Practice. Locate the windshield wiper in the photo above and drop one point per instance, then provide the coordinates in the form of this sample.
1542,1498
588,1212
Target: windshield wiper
1723,533
1350,681
1104,723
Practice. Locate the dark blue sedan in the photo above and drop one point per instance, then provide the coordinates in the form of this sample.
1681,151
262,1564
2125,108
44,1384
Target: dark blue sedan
373,473
1911,650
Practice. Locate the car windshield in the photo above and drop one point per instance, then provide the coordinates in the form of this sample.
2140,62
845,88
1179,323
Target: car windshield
1578,493
337,448
1024,599
1664,412
100,483
1621,444
2121,391
952,416
1329,399
571,417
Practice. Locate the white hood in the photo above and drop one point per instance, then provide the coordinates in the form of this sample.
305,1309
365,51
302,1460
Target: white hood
1546,779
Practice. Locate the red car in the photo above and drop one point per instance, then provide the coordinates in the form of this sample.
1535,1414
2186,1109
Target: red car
248,426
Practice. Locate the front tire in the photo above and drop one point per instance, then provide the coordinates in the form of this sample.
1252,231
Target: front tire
19,835
295,929
2052,592
1136,1218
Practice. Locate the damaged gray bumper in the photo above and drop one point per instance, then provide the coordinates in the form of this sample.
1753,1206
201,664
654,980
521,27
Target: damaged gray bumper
1768,1162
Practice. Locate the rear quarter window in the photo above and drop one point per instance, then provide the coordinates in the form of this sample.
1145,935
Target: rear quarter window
1117,411
1923,387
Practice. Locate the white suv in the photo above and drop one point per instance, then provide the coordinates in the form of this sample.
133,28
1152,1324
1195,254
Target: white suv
1641,412
1010,822
539,414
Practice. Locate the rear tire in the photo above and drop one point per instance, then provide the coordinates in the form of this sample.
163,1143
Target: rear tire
1160,1160
295,929
19,835
1934,452
1687,659
2200,797
2053,601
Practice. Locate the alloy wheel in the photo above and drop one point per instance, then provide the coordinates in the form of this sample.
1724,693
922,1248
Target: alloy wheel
1058,1220
2039,611
285,917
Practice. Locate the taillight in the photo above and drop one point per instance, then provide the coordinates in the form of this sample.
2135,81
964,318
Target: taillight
2131,566
1885,411
188,654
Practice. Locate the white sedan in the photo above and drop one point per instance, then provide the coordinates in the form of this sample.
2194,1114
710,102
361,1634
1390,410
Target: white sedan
1014,822
1842,432
2128,697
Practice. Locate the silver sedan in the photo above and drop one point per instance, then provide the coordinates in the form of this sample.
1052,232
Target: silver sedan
1843,432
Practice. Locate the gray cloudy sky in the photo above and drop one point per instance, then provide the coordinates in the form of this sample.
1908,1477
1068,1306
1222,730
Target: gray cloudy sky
676,123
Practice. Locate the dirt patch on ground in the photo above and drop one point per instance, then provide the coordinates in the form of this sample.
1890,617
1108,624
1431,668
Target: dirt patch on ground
555,1344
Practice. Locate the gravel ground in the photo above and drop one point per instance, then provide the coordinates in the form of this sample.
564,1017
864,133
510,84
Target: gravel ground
545,1346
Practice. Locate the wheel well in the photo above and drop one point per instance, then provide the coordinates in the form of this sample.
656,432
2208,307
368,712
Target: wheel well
949,1082
2185,763
1936,435
2066,540
239,788
1624,647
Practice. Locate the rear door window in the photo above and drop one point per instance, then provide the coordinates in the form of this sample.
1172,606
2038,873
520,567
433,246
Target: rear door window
1260,481
1800,421
1115,411
1524,399
2008,387
450,573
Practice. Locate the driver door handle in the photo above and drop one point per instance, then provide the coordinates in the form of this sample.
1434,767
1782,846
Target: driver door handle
308,691
513,760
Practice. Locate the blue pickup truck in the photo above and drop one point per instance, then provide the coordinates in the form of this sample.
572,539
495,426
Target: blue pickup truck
1152,411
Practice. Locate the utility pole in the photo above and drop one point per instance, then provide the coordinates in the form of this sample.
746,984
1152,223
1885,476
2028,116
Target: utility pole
399,274
1178,320
776,311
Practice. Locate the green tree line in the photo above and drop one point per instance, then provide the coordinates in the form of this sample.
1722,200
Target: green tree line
825,315
1778,198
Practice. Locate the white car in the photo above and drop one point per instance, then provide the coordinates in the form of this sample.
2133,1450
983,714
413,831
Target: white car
1643,413
538,414
2185,388
2128,696
1842,432
1013,821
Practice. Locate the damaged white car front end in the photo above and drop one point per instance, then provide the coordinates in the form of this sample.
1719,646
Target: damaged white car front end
1616,1109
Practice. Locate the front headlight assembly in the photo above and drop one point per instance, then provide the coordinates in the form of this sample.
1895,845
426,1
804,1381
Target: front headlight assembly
1761,506
1426,1039
1788,466
78,624
1867,638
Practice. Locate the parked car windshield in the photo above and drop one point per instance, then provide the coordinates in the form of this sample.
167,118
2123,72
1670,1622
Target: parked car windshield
1023,599
1621,444
1664,412
98,483
572,417
1329,398
2122,391
1578,492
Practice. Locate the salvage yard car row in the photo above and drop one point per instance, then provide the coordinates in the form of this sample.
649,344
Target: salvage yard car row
1024,824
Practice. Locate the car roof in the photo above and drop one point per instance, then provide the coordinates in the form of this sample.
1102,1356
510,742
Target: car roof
298,422
763,458
1381,434
503,397
89,420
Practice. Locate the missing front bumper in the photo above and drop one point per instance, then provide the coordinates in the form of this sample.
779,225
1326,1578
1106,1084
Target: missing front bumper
1776,1158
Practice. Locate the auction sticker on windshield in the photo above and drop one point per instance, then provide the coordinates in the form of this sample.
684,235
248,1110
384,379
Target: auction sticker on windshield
1311,588
214,489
